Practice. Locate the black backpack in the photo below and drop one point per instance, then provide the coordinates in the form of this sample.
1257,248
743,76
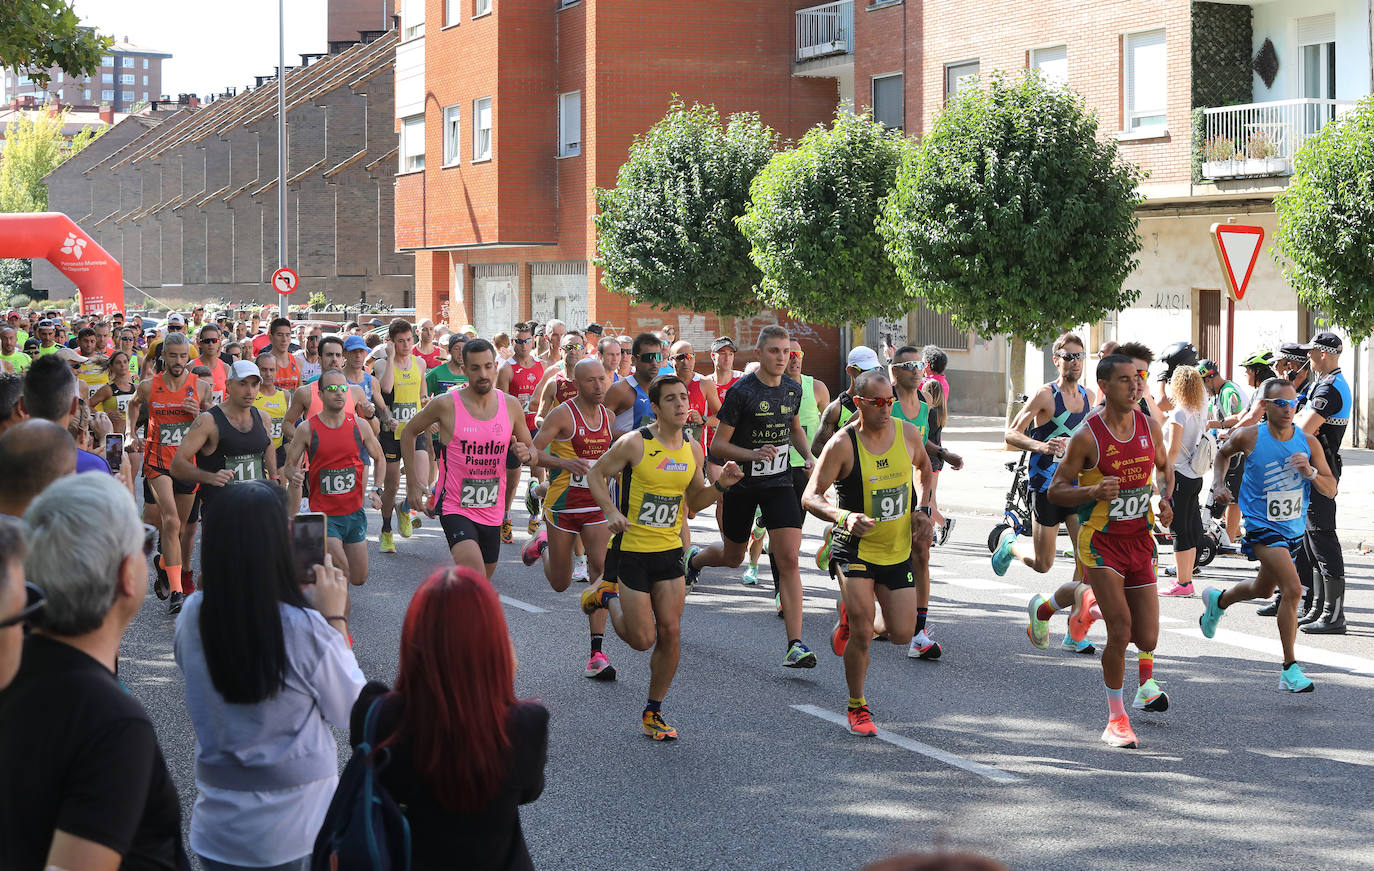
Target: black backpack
364,829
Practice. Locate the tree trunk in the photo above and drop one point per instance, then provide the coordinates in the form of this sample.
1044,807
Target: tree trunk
1016,372
727,328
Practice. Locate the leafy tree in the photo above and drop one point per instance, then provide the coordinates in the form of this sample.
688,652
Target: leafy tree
16,278
34,147
812,222
1325,238
666,232
36,35
1013,216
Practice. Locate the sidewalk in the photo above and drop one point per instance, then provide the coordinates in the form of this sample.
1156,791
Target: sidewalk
981,486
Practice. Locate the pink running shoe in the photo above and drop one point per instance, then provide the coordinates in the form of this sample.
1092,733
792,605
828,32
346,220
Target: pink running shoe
1179,590
599,667
534,548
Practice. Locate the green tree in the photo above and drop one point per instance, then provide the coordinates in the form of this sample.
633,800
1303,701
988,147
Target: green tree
1325,238
812,224
36,35
666,232
1013,216
34,147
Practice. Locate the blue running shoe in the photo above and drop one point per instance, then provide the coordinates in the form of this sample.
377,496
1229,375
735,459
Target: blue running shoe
1085,646
1292,680
1002,557
751,576
690,574
1211,613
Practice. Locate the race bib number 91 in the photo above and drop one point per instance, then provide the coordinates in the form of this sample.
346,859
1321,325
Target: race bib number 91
1283,505
478,493
658,511
891,503
1130,504
775,466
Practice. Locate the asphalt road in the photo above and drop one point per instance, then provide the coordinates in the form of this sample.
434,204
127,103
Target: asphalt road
994,748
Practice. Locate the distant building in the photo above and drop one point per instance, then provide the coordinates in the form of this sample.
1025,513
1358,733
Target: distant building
129,75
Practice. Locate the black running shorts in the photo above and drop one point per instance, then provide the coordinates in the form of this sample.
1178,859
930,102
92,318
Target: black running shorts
640,571
780,505
459,528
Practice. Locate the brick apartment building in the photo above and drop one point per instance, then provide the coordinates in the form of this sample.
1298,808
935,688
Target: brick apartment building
129,75
186,199
511,113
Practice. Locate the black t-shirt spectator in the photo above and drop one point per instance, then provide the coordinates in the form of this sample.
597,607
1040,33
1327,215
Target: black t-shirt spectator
1331,399
490,840
762,415
78,754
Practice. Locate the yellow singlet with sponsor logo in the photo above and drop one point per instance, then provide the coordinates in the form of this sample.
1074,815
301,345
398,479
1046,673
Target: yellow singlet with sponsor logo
274,407
653,501
405,402
879,485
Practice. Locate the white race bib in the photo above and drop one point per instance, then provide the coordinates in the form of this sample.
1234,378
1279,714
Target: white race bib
1129,504
478,492
775,466
337,482
890,503
1283,505
658,511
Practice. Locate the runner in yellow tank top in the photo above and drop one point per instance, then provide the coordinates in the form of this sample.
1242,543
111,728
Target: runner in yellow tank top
274,404
662,480
870,462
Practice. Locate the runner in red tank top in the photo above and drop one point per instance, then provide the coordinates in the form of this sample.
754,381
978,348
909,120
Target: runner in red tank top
1106,474
332,443
557,387
722,377
519,376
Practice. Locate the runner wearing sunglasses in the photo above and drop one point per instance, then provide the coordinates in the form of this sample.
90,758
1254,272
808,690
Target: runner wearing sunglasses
557,387
628,399
1284,465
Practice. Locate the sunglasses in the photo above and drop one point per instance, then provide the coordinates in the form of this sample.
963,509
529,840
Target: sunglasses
1283,403
1143,373
522,341
910,365
571,346
1071,355
34,600
208,341
796,355
652,357
682,358
335,388
878,402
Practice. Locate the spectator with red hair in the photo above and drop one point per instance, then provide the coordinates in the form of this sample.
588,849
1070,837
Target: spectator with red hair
464,752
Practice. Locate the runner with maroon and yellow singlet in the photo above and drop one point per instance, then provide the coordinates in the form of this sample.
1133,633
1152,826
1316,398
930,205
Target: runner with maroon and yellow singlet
1108,474
519,376
573,437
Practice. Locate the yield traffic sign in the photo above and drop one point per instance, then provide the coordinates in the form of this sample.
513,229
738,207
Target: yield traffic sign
285,280
1238,248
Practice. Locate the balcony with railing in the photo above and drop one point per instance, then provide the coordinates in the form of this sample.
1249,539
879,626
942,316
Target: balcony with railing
1259,140
825,30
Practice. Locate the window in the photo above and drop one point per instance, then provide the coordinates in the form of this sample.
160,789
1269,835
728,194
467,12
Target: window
481,7
451,12
960,76
481,129
1146,76
145,63
107,96
413,143
107,60
145,96
570,124
128,63
145,81
88,94
126,79
1053,63
413,16
107,78
127,96
452,126
887,101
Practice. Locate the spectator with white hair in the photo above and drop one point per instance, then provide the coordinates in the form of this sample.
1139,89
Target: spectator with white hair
83,784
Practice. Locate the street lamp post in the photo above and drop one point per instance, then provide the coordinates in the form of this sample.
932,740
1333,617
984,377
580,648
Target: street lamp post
281,141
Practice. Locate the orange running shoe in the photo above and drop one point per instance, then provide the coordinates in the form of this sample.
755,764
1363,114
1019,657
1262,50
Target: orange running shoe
839,636
1119,732
1081,620
656,728
861,722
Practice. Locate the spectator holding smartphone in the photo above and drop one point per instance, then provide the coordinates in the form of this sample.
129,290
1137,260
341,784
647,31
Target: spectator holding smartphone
464,752
267,670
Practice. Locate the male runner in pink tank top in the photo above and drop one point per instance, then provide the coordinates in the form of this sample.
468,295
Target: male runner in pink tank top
478,427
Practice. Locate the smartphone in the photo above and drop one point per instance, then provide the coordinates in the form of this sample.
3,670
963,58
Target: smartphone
307,544
114,450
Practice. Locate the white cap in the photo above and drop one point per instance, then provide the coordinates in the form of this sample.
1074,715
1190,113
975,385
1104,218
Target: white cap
177,319
863,358
242,370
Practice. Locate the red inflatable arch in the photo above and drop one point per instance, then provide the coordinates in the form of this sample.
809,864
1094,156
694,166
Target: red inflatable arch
56,237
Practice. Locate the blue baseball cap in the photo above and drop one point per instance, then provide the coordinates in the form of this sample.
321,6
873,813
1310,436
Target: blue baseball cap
355,343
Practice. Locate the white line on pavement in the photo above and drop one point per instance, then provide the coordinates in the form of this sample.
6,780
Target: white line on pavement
995,774
523,606
1271,647
977,583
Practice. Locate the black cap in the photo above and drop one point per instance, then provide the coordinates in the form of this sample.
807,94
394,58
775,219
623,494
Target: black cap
30,344
723,342
456,339
1293,352
593,328
1324,341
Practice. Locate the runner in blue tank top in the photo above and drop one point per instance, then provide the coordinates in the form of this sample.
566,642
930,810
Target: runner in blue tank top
1285,464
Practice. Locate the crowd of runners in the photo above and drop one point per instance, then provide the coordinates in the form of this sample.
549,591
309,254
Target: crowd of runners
621,439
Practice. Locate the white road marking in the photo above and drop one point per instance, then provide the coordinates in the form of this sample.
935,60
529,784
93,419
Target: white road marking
995,774
523,606
1271,647
977,584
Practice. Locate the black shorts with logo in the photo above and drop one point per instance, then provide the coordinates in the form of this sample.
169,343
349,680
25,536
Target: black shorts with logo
894,577
460,528
391,447
640,571
1047,513
780,506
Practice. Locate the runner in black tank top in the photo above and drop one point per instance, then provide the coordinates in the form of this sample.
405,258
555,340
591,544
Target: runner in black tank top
231,442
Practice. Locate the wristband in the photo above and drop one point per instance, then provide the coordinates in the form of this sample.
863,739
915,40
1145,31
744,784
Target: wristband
924,509
716,484
844,518
1313,476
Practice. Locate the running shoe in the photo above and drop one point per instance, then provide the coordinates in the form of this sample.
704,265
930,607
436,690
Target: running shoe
579,570
758,532
839,636
1081,620
162,585
403,524
507,532
416,518
823,553
1039,630
861,722
690,574
1119,732
594,598
1211,611
386,543
1179,590
1084,646
532,506
799,656
174,600
1151,698
599,667
1172,571
656,728
946,531
1292,680
1002,557
534,549
923,647
533,526
751,576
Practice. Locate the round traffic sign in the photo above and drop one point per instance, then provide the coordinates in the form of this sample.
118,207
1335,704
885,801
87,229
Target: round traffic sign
285,280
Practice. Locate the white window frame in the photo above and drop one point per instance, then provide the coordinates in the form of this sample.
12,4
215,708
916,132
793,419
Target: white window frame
901,99
949,68
106,96
126,78
570,124
412,19
145,63
453,12
126,96
1133,114
107,60
127,63
481,7
412,138
1051,54
453,128
107,78
482,150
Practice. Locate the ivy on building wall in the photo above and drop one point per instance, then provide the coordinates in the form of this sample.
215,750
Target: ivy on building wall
1222,48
